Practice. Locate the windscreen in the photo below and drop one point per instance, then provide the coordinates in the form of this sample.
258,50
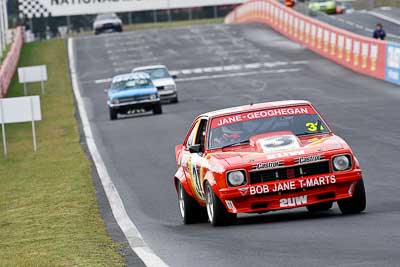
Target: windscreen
106,16
237,128
158,73
130,84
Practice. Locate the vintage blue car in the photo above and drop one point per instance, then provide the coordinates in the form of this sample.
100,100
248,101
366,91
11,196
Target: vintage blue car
130,93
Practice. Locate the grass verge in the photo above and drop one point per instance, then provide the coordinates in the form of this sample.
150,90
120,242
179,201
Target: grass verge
48,210
4,53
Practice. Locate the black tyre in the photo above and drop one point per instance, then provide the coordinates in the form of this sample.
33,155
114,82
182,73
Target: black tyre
190,210
175,100
320,207
157,109
216,211
355,204
113,114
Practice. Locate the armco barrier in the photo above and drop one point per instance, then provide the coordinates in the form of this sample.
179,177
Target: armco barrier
361,54
10,63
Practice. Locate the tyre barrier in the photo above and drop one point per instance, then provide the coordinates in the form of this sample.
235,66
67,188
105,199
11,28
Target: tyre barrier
10,62
368,56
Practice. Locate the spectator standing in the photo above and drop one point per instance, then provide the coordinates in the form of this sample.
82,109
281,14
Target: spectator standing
379,32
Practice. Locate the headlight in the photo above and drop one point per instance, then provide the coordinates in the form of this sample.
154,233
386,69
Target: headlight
153,97
115,101
170,87
341,163
236,178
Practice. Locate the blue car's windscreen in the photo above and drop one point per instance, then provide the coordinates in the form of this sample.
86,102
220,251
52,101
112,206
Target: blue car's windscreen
131,84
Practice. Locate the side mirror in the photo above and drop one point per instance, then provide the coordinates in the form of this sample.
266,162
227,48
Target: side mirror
195,149
174,77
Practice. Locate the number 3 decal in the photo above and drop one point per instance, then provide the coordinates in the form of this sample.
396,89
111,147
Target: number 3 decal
313,127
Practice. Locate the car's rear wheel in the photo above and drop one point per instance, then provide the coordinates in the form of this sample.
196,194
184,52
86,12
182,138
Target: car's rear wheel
355,204
216,211
191,211
157,109
320,207
113,114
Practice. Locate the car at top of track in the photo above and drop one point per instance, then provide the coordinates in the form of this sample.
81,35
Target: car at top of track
326,6
163,80
264,157
344,6
131,92
105,23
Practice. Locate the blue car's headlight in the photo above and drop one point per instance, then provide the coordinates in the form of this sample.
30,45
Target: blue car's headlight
153,97
115,101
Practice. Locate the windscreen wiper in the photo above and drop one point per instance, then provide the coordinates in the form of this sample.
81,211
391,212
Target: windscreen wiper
237,144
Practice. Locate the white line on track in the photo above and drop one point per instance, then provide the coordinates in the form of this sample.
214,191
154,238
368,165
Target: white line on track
128,49
225,75
378,15
131,62
256,65
131,232
384,17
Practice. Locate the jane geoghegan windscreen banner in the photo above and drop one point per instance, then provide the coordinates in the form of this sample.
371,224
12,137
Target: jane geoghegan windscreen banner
54,8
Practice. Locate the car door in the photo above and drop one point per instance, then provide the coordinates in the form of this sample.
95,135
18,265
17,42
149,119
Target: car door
193,161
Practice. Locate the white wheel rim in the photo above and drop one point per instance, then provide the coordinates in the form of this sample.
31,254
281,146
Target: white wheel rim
209,204
181,201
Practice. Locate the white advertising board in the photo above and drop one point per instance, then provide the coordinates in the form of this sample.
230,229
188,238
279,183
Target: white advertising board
38,8
32,74
20,109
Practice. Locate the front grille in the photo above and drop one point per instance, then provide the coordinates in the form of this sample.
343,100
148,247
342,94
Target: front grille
289,172
108,26
134,98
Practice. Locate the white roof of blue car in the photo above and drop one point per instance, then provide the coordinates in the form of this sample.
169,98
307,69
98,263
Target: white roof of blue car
149,67
131,76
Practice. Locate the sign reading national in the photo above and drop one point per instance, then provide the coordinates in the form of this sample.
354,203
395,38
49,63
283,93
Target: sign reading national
45,8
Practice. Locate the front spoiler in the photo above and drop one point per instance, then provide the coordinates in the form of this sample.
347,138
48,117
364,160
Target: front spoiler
137,104
241,201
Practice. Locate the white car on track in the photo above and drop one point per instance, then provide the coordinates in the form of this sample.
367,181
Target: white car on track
105,23
163,80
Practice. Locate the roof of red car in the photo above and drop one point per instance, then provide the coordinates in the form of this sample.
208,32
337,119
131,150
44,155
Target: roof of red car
251,107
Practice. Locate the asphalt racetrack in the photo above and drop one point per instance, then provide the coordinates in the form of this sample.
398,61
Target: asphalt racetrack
221,66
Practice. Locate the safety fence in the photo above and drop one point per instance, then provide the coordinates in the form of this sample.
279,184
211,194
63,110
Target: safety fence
361,54
10,62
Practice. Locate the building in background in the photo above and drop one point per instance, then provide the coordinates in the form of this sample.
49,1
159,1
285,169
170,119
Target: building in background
46,17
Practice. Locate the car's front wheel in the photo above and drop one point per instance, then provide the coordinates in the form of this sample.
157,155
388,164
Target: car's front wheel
216,211
157,109
191,211
113,114
355,204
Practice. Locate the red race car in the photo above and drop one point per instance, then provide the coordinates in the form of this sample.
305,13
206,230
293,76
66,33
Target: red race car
264,157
